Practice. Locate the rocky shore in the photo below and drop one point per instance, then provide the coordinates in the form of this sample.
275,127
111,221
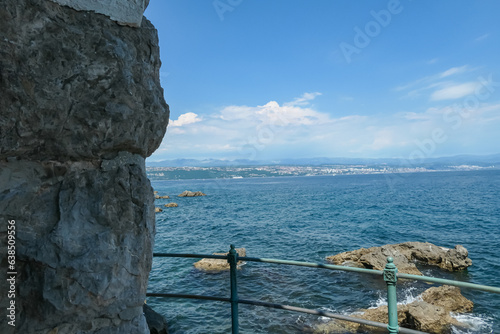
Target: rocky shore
432,311
405,256
186,193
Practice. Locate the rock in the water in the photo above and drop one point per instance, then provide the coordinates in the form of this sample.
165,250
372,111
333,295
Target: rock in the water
218,264
162,197
171,205
404,255
158,210
81,108
156,322
191,194
448,297
430,313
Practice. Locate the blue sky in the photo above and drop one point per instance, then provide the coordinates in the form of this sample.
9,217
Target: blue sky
273,79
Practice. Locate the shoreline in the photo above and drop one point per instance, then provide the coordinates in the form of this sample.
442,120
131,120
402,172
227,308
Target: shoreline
230,173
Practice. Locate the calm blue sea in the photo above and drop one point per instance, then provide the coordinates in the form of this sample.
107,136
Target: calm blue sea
307,219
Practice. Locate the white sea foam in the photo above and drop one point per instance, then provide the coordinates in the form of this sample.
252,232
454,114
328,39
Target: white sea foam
409,296
475,323
343,312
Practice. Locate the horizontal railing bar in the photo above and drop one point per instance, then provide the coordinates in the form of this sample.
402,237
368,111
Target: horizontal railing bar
313,265
450,282
288,308
343,268
195,256
175,295
275,261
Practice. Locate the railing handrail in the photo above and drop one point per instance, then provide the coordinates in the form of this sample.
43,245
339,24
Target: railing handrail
390,275
429,279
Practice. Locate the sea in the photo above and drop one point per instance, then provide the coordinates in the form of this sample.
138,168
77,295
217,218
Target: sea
308,219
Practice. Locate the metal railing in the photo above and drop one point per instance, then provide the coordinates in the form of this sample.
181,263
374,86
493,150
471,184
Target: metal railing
390,275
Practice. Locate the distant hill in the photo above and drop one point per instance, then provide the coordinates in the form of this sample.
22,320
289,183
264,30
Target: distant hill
206,163
480,160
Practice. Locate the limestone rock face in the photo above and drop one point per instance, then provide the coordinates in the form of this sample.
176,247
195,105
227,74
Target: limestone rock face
77,86
404,255
81,108
84,243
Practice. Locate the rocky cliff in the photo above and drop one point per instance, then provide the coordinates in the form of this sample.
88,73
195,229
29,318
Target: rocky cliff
81,107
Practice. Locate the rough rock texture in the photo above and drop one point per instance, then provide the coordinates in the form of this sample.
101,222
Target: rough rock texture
219,264
81,108
156,322
171,205
404,255
430,313
76,85
158,210
127,12
188,193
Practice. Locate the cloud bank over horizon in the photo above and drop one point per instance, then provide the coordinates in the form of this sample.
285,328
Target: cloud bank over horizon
462,117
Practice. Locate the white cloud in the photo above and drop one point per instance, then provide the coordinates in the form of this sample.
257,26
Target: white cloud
452,71
423,85
296,112
185,119
482,37
382,139
347,98
453,92
303,100
298,129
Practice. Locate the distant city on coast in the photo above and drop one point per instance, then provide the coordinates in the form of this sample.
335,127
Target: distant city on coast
210,169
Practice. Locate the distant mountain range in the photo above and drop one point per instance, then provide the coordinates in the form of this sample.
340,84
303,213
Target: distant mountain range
480,160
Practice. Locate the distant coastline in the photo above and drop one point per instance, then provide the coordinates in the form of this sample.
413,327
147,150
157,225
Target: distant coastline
238,172
184,169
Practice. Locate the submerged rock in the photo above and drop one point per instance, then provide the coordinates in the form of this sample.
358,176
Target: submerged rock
430,313
156,322
404,255
218,264
171,205
188,193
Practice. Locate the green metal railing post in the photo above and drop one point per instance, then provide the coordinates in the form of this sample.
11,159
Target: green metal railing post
232,259
391,279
